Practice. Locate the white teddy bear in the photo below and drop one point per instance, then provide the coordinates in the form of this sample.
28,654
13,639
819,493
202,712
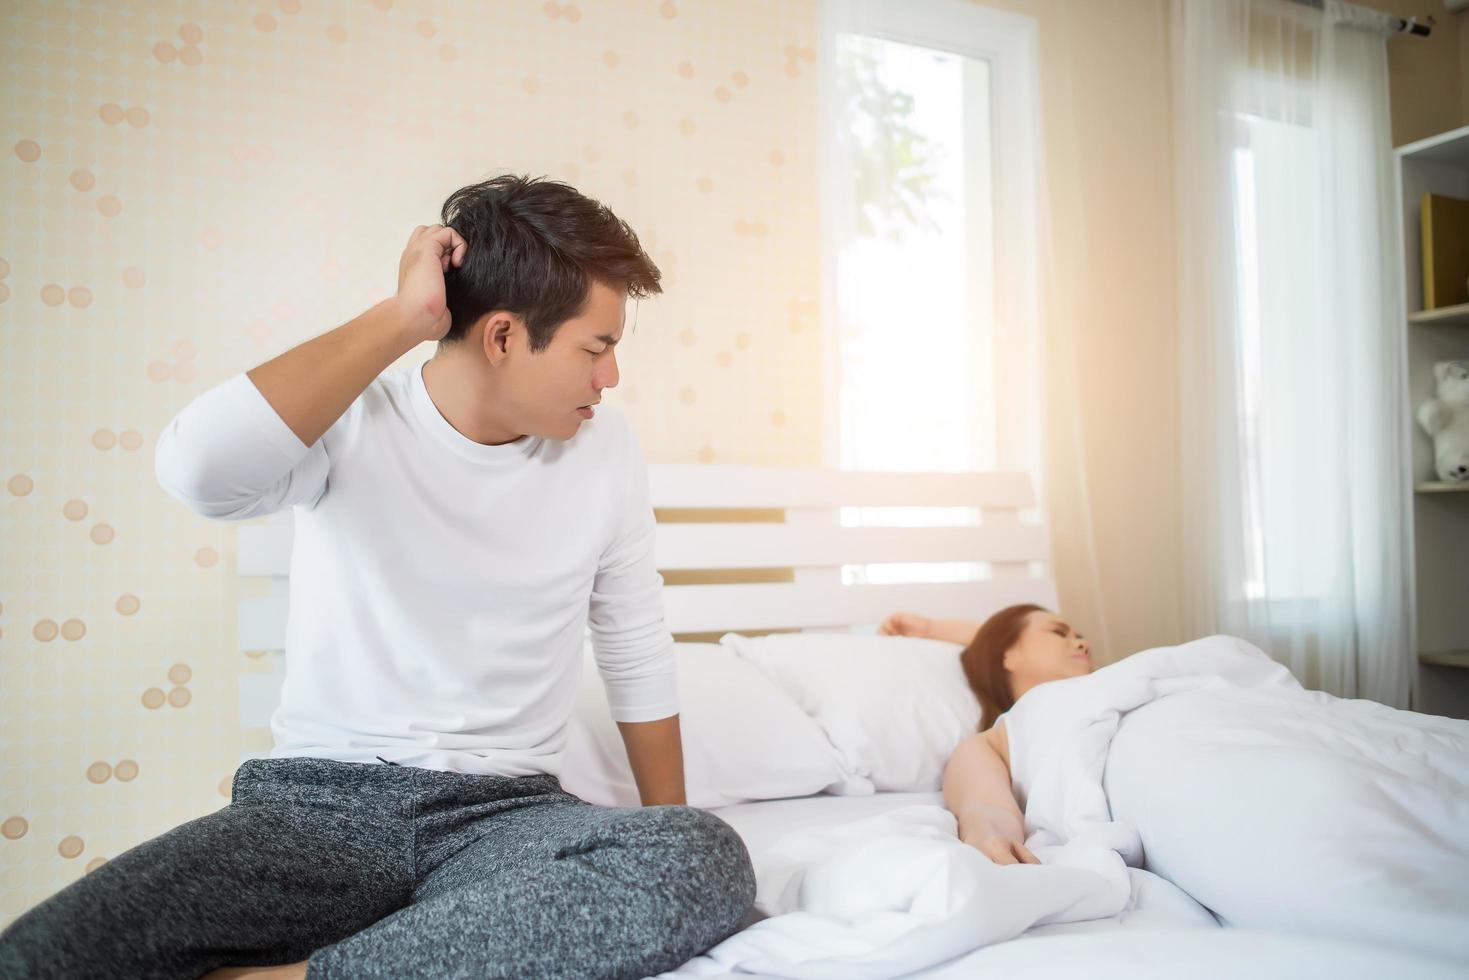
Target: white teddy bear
1446,419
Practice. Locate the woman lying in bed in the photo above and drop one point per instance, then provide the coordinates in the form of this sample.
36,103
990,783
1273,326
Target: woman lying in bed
1207,764
1010,653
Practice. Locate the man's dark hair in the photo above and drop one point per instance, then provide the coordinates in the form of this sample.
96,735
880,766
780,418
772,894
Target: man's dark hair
535,246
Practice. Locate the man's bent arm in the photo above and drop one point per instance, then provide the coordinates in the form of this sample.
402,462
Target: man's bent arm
253,445
655,751
311,385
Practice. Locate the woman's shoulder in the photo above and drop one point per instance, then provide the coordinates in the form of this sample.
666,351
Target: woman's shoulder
998,739
993,738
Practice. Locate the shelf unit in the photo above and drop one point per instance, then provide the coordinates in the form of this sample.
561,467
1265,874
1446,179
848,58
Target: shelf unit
1444,316
1439,165
1445,658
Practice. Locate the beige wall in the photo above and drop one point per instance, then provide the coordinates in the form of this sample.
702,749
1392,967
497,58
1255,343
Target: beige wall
1110,362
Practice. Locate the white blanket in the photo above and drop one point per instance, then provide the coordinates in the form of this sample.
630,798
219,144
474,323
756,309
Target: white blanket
1059,733
889,895
1275,807
895,894
1298,812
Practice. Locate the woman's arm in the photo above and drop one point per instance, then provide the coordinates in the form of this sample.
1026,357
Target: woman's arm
959,631
977,791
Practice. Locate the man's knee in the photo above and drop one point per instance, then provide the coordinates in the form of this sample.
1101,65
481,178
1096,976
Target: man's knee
711,854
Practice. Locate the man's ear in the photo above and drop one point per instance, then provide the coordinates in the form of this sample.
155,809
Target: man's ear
499,329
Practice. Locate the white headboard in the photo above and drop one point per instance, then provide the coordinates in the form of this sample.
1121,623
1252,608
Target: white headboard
773,519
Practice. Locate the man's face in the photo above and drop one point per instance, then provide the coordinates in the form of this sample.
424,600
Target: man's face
551,393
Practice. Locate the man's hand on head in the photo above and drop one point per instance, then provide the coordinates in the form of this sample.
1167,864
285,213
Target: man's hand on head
431,250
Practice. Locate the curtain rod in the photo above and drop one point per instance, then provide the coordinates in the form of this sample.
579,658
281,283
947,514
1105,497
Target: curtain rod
1409,26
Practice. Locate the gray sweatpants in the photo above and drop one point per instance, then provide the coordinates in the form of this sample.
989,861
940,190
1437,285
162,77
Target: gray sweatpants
396,872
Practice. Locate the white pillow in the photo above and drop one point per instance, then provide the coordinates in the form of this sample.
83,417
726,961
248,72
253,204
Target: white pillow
742,738
895,707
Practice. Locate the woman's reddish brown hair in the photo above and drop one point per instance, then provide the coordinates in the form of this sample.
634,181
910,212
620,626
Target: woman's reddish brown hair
984,661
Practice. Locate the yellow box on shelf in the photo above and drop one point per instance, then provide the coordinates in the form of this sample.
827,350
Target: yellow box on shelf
1445,224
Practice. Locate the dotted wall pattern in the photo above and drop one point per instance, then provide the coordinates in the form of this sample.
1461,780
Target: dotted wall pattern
188,188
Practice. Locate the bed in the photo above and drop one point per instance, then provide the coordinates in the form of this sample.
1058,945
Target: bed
775,579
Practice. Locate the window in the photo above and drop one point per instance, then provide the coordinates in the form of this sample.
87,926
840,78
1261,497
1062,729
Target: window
915,277
929,236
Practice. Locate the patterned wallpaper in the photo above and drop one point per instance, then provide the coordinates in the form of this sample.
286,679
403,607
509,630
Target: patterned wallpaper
191,187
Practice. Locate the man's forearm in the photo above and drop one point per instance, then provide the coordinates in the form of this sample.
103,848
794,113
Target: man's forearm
655,751
311,385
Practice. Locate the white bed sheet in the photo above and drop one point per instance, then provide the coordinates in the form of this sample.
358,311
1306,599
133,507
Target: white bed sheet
1163,933
760,824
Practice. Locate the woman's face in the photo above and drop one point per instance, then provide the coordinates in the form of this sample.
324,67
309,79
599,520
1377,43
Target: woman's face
1048,650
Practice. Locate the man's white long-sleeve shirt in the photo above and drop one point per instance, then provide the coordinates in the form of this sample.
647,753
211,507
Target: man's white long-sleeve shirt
440,589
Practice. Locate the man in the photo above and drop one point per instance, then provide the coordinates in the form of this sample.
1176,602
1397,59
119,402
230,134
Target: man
457,527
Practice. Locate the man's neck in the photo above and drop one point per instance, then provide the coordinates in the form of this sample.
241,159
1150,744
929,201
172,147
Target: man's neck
462,395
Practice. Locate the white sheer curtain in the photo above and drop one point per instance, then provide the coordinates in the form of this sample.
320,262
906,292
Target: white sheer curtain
1296,478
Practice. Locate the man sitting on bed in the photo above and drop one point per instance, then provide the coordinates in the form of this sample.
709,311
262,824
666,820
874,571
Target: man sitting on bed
458,525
